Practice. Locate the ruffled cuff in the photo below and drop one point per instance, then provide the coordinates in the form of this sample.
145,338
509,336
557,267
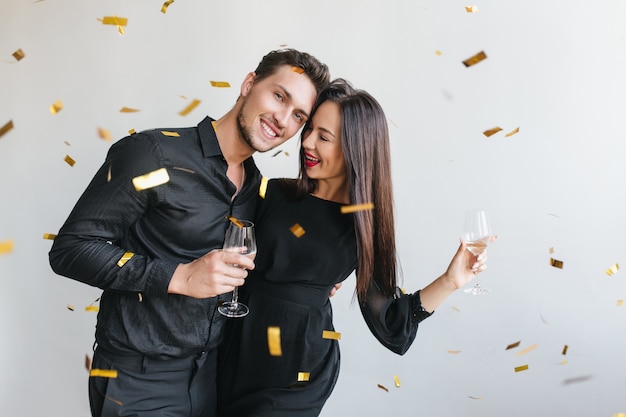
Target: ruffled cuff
417,310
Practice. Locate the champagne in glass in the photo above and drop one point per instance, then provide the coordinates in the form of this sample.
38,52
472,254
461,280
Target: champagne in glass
239,238
477,235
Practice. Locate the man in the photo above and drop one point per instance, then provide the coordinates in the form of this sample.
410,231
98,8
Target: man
147,231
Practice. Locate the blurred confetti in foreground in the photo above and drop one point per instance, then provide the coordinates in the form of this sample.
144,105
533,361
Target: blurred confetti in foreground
151,179
475,59
273,341
471,9
190,107
6,247
166,5
356,207
613,269
104,134
6,128
19,55
56,107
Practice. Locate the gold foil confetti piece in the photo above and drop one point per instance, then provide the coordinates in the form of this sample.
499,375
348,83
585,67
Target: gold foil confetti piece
298,70
471,9
19,55
104,373
304,376
5,129
455,308
140,297
109,173
563,362
118,402
125,258
6,247
104,134
382,387
190,107
475,59
220,84
166,5
235,221
56,107
49,236
277,153
564,352
552,250
397,381
512,132
170,134
454,352
88,362
132,131
619,415
521,368
613,269
70,307
151,179
492,131
527,350
191,171
114,20
620,303
480,397
297,230
513,345
329,334
356,207
556,263
263,187
286,153
576,380
94,309
438,52
68,159
273,341
128,110
67,143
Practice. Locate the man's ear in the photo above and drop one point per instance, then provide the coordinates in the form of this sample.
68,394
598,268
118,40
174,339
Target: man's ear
247,83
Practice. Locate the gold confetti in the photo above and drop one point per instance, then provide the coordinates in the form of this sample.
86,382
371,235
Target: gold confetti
492,131
171,134
128,110
88,362
552,250
94,309
140,297
458,310
528,349
6,247
5,129
564,352
613,269
303,376
297,230
513,345
109,176
49,236
329,334
151,179
190,107
620,303
114,20
563,362
438,52
475,59
521,368
454,352
19,55
273,341
619,415
220,84
125,258
235,221
104,373
277,153
166,5
475,398
70,307
396,380
132,131
471,9
357,207
383,387
556,263
298,70
56,107
286,153
67,143
104,134
512,132
263,187
69,160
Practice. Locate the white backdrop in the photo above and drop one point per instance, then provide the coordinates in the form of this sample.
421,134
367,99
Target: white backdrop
554,69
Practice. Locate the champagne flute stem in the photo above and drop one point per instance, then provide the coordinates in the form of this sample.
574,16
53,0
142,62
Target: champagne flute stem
235,295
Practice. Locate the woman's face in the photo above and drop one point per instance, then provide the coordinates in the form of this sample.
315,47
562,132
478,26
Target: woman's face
321,142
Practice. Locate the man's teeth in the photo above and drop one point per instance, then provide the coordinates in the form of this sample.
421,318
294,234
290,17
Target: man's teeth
268,130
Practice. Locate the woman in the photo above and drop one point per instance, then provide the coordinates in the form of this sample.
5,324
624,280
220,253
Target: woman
305,246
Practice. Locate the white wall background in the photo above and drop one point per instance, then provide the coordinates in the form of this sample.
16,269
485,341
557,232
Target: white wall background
556,70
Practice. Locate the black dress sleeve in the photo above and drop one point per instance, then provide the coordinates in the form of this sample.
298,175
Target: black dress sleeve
393,320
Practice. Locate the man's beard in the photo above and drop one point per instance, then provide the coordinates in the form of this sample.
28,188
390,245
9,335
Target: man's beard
244,131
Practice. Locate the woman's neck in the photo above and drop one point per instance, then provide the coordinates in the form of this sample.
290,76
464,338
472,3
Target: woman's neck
332,191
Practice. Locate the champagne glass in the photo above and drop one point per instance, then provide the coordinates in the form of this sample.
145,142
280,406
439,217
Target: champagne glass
477,235
239,238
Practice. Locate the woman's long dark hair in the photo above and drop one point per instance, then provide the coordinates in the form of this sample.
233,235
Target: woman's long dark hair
365,145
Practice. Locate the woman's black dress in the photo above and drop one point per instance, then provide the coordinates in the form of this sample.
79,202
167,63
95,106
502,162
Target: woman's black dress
289,289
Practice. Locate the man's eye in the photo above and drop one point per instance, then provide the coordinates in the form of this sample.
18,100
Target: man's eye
279,96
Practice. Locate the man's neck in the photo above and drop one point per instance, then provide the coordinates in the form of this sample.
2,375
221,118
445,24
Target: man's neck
234,148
